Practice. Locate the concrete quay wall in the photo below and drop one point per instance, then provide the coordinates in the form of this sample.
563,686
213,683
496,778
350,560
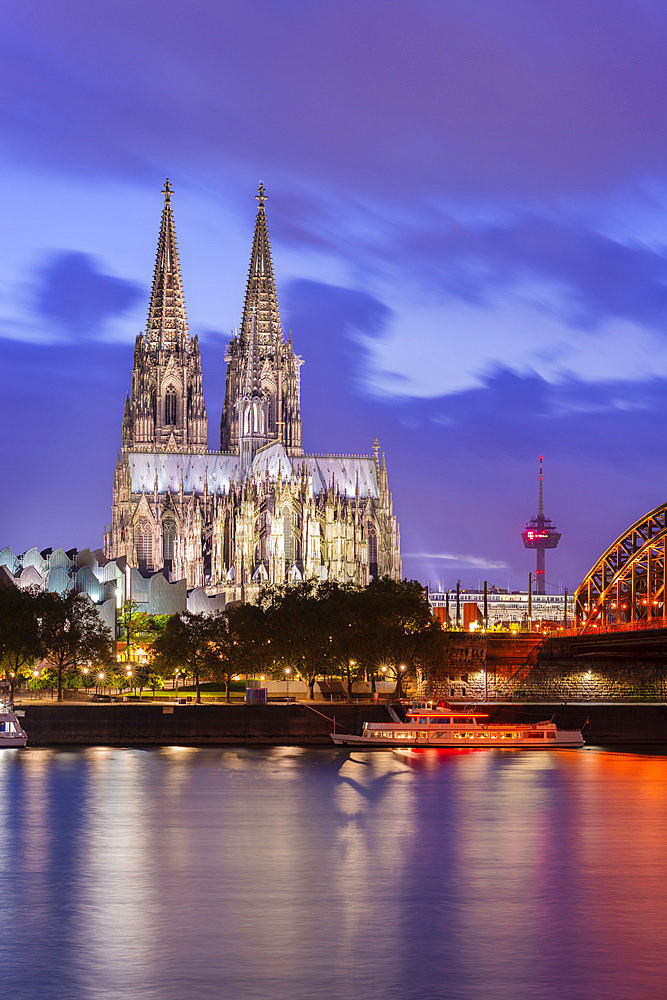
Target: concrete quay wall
601,724
192,725
280,725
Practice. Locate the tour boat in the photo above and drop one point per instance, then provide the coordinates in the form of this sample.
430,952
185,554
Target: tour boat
431,724
11,732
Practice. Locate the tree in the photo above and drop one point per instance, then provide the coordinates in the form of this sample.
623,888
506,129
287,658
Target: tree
185,644
395,627
71,634
20,643
299,628
339,606
141,630
237,643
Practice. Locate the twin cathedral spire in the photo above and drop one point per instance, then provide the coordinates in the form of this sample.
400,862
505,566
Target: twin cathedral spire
165,410
260,510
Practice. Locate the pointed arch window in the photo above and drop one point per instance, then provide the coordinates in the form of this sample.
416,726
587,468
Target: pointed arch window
143,540
170,406
168,539
228,542
287,532
372,550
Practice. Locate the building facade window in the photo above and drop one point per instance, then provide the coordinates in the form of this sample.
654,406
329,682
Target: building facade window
168,540
143,540
170,406
287,531
372,550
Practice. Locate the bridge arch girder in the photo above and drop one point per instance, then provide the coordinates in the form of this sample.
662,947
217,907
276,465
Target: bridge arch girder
627,583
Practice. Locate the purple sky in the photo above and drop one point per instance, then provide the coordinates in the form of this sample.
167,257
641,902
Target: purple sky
467,208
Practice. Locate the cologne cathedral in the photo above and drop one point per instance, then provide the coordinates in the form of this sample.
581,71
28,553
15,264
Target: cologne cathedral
261,510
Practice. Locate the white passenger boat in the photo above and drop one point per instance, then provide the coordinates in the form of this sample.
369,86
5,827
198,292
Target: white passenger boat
430,724
11,732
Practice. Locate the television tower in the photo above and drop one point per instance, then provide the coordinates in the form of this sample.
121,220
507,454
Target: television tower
540,534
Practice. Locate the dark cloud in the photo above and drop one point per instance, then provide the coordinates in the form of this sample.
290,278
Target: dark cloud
492,97
462,468
361,118
74,295
326,321
63,413
586,277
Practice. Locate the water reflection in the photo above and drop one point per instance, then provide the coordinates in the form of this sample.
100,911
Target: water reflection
291,873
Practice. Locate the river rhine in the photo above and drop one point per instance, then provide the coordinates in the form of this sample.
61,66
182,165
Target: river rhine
286,874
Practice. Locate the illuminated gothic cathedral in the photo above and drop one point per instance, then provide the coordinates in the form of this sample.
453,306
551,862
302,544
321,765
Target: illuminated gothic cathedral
260,510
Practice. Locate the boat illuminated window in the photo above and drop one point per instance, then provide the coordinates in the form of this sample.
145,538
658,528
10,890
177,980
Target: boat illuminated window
536,736
551,735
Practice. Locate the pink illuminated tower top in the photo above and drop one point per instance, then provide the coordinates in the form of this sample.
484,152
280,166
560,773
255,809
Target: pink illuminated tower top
540,534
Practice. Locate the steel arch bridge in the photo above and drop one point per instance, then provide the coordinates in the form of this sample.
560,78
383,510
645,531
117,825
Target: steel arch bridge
627,584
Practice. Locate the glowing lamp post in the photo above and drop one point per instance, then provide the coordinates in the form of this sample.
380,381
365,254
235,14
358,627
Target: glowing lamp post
287,673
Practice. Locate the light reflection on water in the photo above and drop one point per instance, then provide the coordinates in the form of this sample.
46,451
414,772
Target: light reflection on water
295,873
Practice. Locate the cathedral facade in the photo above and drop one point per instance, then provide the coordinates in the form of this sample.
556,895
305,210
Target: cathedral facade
260,510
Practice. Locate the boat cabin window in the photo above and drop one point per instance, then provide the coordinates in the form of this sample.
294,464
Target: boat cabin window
550,735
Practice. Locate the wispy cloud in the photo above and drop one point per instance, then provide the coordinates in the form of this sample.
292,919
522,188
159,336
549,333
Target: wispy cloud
476,562
76,297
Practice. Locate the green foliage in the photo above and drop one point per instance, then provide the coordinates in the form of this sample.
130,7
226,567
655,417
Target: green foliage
139,629
20,641
314,629
184,645
72,634
46,680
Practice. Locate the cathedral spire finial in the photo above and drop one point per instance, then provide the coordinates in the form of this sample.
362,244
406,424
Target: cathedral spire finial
167,325
261,289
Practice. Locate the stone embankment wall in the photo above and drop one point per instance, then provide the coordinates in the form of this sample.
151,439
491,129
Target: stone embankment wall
522,668
132,725
482,665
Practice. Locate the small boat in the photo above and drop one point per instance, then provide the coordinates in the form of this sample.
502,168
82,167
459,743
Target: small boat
11,732
431,724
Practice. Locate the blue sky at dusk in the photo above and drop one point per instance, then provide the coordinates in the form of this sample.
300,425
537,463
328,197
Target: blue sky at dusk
468,215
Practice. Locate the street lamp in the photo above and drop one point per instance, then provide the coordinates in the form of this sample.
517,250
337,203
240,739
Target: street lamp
287,673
